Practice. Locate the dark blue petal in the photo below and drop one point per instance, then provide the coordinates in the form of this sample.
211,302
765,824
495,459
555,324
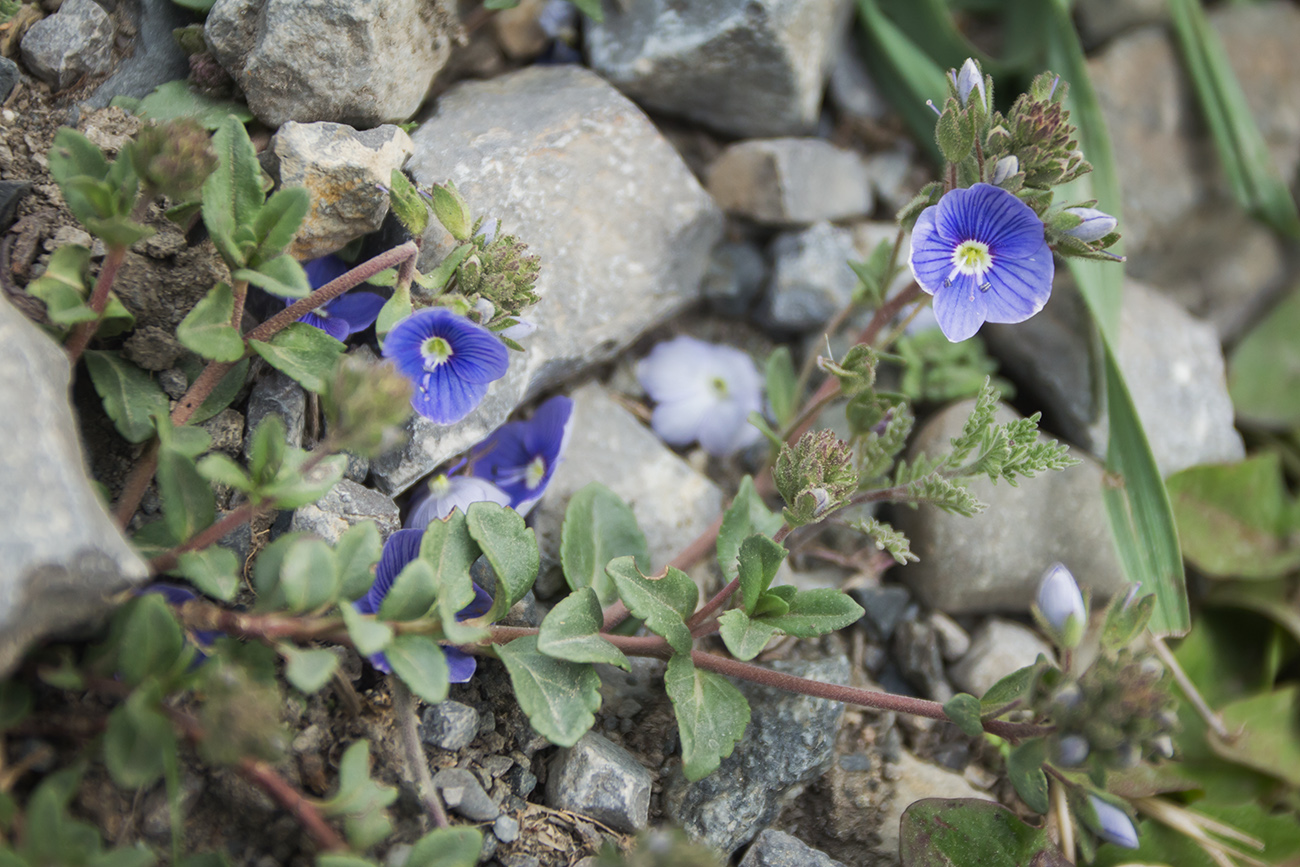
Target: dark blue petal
358,309
460,665
443,398
336,328
401,548
505,457
481,604
1020,287
931,255
452,389
325,269
477,355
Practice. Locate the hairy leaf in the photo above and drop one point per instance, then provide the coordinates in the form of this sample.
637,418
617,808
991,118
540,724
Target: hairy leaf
711,715
560,697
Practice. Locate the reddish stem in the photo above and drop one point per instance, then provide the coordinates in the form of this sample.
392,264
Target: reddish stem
82,334
210,536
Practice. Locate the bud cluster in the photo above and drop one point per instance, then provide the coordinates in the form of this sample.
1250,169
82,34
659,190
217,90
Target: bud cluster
173,159
502,272
815,476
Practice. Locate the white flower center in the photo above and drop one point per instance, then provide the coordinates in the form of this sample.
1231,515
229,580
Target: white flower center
435,351
535,472
973,259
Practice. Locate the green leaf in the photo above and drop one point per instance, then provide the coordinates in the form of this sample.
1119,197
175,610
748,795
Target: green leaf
227,388
176,99
663,603
1265,729
1125,622
408,205
308,670
368,634
816,612
267,450
964,710
151,642
138,739
598,526
744,637
560,697
282,276
437,279
326,860
15,703
136,856
745,516
220,469
293,487
451,550
1012,687
308,577
940,832
782,385
758,562
1234,519
510,546
232,194
413,593
1025,770
130,395
419,662
451,209
187,501
591,8
1264,369
711,715
206,329
395,309
277,223
303,353
73,155
63,286
214,571
447,847
572,631
355,553
360,801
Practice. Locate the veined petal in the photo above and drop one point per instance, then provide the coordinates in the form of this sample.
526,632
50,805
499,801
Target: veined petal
336,328
672,369
992,215
401,548
462,491
931,254
358,309
959,310
1020,287
442,397
726,429
460,665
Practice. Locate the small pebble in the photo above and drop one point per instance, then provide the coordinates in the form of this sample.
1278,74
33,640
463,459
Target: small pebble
506,828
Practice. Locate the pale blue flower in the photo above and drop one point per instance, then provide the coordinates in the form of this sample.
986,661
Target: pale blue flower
983,255
704,392
970,78
1113,824
1062,606
1005,168
444,494
450,360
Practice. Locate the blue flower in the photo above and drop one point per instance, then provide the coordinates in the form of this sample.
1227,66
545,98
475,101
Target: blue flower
1113,824
982,254
401,548
704,392
443,494
178,596
521,456
345,315
450,360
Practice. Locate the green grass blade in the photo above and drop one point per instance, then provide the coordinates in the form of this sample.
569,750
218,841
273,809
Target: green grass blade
929,24
905,74
1140,514
1255,182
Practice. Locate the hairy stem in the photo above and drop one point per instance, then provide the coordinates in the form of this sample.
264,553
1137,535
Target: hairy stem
409,727
82,334
240,291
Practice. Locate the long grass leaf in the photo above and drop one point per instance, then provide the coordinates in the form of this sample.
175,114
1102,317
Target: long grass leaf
905,74
1254,180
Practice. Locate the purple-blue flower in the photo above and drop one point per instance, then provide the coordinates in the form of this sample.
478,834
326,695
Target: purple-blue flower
982,254
704,392
401,548
443,494
178,595
450,360
521,456
347,314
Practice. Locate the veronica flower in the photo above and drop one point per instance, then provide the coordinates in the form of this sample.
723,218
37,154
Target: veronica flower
401,548
450,360
1095,224
704,392
521,456
982,254
444,494
345,315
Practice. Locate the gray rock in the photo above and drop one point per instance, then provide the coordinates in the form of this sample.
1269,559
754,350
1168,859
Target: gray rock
811,278
277,394
347,505
155,58
9,76
749,69
449,725
790,181
895,179
735,276
1102,20
629,251
461,792
359,62
63,556
672,502
227,431
788,743
998,648
994,561
778,849
954,642
916,780
852,90
506,828
1171,361
11,195
916,649
72,43
341,168
885,607
600,779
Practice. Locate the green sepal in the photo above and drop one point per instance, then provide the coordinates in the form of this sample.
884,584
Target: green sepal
407,204
437,279
1125,620
451,209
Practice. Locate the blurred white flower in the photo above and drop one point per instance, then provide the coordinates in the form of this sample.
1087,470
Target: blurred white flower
704,392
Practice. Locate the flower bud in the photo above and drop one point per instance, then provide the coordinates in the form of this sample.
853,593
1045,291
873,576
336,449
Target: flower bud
1113,824
520,330
1071,750
1061,605
1163,746
1004,168
488,230
1095,226
970,78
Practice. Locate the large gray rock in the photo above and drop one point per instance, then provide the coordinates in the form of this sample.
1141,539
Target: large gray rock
63,557
748,68
347,505
276,394
788,743
9,76
811,277
672,502
600,779
994,561
1171,361
342,169
359,62
790,181
579,174
778,849
155,58
72,43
